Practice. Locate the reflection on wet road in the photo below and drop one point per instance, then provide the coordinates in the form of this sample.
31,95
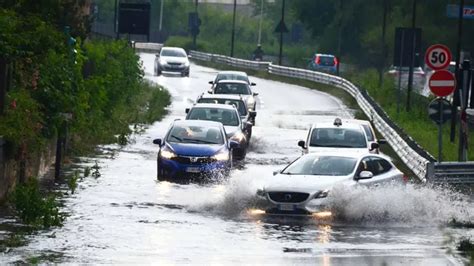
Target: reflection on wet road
126,216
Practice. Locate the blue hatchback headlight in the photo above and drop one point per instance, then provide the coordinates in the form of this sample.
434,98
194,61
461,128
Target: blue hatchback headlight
222,155
167,153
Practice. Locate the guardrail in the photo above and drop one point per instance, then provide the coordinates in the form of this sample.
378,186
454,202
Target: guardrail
451,172
408,150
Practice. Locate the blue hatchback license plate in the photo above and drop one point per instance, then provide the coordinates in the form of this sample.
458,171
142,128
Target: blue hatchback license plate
286,207
193,170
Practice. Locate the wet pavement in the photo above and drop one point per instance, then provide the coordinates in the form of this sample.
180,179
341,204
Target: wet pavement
125,216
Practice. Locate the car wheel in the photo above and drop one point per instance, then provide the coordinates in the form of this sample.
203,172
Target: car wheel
158,72
160,175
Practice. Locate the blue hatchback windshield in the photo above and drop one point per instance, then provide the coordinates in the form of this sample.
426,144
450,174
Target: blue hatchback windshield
196,134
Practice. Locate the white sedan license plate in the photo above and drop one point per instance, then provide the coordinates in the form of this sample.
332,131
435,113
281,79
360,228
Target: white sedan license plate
193,170
287,207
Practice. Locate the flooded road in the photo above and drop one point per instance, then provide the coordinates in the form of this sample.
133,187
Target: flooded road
126,216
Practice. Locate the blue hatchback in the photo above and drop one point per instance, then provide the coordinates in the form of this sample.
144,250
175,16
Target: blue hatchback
194,149
324,63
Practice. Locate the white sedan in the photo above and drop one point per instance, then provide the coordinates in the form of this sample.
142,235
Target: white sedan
304,185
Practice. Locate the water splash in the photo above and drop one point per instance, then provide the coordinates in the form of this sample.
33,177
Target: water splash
391,204
237,194
408,205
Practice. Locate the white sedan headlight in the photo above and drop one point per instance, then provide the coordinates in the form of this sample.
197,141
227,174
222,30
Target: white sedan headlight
163,62
186,64
222,155
321,194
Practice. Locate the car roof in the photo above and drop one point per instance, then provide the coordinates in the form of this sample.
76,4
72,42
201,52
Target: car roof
222,96
204,123
232,81
214,106
241,73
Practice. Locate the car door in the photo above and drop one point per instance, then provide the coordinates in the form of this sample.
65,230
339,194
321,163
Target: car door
380,168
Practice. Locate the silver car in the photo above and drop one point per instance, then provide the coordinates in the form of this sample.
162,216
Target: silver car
172,59
304,186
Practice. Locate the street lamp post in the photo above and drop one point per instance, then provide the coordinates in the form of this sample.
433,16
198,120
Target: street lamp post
233,31
259,42
412,56
281,32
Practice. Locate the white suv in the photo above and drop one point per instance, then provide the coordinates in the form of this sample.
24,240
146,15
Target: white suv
346,137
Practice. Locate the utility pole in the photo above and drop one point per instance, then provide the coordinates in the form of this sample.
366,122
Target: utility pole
281,32
161,16
233,31
195,35
339,37
457,94
259,41
383,45
412,56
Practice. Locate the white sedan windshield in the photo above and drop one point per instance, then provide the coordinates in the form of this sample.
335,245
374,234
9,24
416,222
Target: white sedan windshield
321,165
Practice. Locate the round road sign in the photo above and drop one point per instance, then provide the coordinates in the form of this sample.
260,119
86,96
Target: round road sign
438,56
442,83
439,111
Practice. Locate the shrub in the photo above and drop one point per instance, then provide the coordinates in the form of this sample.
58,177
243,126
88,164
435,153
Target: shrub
33,208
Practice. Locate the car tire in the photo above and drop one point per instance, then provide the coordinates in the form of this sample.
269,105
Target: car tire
160,175
240,154
158,72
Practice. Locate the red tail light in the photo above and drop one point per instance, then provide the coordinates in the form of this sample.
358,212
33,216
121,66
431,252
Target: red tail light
317,60
335,61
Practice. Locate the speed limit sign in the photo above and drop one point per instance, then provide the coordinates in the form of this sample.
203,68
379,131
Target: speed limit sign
438,57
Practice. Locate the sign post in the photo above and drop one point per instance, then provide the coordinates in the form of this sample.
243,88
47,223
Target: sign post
442,83
439,110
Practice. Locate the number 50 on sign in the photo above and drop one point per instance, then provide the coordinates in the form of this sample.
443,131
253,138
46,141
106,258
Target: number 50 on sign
438,57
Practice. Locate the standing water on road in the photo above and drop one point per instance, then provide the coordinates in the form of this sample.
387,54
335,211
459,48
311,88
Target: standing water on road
126,216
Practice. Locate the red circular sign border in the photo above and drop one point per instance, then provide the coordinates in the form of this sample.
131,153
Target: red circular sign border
431,48
454,79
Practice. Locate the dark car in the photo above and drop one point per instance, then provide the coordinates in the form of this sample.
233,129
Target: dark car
236,87
194,149
229,117
324,63
172,59
235,100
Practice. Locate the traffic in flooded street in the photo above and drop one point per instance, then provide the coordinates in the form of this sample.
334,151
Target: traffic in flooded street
127,216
